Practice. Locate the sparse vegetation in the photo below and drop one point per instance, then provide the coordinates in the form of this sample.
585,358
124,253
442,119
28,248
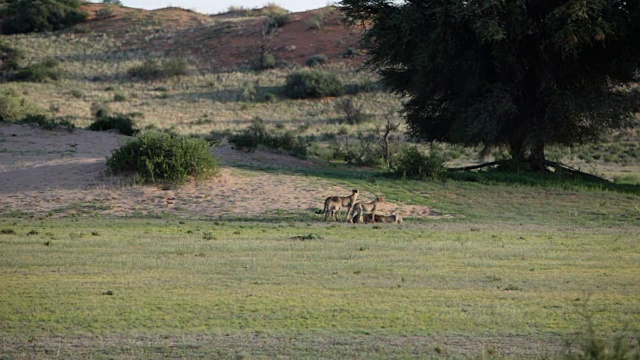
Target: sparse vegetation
153,70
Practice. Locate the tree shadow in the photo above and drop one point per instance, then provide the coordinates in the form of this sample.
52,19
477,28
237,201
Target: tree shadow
560,180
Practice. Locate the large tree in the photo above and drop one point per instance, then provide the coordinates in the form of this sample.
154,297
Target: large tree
522,74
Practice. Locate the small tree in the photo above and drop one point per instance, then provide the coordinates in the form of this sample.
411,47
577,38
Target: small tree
383,139
268,30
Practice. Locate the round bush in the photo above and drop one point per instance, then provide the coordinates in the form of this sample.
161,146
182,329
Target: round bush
124,123
158,157
415,165
14,107
312,84
317,60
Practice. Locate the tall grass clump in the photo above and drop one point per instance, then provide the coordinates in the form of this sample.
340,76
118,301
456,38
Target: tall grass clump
312,84
415,165
160,157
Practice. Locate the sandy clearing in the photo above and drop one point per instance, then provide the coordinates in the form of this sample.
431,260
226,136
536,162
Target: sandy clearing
62,173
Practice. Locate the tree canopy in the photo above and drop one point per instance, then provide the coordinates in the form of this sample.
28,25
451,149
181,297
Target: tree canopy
24,16
520,74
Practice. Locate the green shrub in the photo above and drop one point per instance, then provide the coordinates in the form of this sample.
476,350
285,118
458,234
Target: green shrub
278,20
312,84
78,94
25,16
14,107
47,123
153,70
119,97
148,70
39,72
9,58
256,135
175,67
249,91
249,139
317,60
350,52
104,13
289,143
353,112
317,21
124,123
157,157
415,165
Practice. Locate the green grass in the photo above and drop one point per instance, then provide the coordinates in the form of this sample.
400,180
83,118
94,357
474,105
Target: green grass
66,281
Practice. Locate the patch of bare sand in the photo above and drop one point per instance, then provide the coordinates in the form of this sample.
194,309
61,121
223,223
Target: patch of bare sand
63,173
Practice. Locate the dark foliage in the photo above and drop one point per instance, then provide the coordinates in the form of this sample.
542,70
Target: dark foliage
517,74
9,58
40,72
312,84
47,123
124,123
256,135
25,16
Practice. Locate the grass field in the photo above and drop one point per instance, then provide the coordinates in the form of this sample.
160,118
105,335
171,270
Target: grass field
511,276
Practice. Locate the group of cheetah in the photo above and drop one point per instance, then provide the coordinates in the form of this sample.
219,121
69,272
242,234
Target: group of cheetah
357,211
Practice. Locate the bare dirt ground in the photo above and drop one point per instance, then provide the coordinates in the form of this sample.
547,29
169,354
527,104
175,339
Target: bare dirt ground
60,173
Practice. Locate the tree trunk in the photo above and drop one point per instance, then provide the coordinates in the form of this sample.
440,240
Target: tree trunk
517,152
537,161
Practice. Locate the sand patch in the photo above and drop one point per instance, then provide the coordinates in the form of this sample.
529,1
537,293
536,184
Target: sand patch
61,173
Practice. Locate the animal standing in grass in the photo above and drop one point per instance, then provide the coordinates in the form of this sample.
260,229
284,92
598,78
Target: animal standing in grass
361,207
333,205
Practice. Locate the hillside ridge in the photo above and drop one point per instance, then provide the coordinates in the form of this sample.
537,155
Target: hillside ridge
226,41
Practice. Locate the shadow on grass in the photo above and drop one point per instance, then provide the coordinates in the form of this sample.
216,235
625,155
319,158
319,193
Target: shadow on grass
552,180
350,173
